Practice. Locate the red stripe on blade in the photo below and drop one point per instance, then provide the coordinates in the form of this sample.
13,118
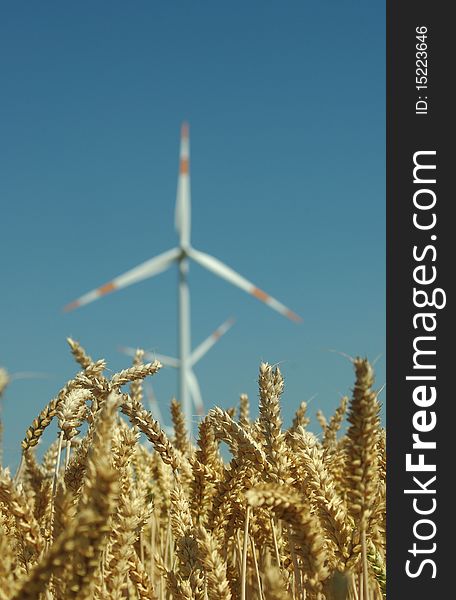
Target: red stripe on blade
260,294
71,306
184,166
293,316
106,288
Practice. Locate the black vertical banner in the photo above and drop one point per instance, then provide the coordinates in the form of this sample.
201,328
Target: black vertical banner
421,258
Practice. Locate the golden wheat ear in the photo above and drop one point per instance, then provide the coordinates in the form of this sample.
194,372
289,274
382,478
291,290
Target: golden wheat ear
116,508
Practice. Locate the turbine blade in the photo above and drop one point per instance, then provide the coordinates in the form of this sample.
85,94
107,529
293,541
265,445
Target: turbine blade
149,268
195,392
216,266
201,350
167,361
183,204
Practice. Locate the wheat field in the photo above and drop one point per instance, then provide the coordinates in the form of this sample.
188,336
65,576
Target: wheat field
117,509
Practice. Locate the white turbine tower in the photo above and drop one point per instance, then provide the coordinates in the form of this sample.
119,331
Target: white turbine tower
181,256
195,356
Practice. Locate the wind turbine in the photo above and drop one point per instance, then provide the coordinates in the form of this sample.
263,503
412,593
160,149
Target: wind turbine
195,356
181,256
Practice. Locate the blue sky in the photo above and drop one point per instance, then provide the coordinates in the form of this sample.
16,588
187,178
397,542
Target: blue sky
286,104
